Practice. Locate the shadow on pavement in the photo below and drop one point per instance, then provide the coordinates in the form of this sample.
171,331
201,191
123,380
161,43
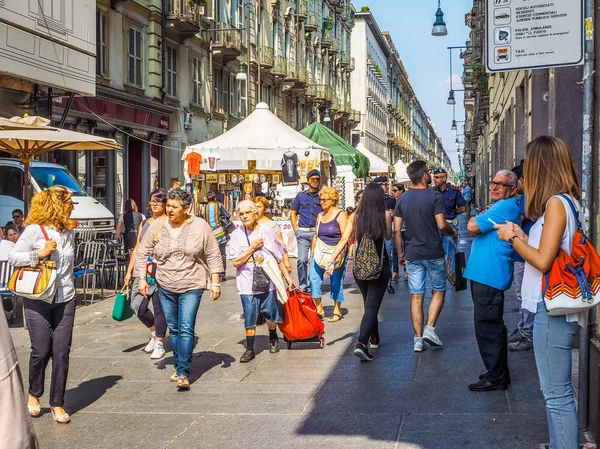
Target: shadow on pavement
202,363
88,392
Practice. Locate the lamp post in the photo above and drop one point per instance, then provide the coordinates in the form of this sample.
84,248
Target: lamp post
439,26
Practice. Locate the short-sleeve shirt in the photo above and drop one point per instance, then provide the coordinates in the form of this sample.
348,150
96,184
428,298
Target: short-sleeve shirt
492,261
390,202
308,206
418,208
466,193
239,243
453,199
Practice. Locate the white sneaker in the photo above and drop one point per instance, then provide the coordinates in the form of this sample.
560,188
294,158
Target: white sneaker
431,337
159,350
420,345
150,346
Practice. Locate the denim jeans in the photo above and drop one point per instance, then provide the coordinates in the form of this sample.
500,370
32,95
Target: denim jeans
304,239
391,250
552,338
525,316
180,311
336,279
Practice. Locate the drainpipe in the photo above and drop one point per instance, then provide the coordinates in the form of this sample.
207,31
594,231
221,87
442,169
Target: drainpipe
586,181
163,47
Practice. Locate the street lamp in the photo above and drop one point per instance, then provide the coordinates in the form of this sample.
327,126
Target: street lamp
451,100
454,122
439,27
241,74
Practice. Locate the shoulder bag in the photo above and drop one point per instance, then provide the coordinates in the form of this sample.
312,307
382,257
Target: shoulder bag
37,282
573,283
260,280
323,252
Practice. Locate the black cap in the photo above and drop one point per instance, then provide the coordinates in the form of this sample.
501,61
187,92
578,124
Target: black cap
313,173
439,170
381,180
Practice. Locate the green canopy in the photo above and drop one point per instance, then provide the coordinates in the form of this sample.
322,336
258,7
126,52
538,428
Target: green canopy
342,151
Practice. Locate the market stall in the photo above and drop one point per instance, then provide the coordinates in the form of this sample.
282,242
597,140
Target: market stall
401,175
350,164
378,167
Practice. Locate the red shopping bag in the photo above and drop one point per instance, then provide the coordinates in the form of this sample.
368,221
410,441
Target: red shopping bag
300,318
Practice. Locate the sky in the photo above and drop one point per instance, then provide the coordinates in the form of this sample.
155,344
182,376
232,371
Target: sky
426,57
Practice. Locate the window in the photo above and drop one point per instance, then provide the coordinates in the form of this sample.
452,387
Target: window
217,89
134,56
100,43
233,105
11,182
197,80
171,71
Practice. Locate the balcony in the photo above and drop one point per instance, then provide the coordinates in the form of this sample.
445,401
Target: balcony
302,74
335,104
265,57
280,67
302,12
344,58
182,19
320,92
227,41
292,72
351,65
335,47
355,116
311,23
327,38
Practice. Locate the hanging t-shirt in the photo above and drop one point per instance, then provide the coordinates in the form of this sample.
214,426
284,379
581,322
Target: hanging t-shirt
289,169
210,161
193,161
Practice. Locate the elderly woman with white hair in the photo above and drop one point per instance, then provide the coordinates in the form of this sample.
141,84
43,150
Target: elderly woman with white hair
251,247
188,261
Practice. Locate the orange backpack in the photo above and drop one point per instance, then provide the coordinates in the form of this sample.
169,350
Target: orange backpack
573,283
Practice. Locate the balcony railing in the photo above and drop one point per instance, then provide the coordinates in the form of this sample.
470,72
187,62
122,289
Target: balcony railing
320,92
265,57
302,73
311,23
302,10
335,46
344,58
227,38
182,19
355,116
280,66
351,65
327,38
335,104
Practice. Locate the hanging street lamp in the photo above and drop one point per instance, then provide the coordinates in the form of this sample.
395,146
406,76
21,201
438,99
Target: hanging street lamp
439,27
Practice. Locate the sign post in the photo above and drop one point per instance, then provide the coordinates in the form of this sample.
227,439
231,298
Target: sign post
534,34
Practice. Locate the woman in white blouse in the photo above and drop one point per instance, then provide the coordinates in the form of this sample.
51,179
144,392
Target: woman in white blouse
549,171
50,322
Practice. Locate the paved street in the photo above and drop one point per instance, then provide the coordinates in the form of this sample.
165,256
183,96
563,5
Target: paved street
299,398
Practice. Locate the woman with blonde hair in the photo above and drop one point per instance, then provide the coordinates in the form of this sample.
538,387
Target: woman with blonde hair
50,322
331,224
262,204
552,191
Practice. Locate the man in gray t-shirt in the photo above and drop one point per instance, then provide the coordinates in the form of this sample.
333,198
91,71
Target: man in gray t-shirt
423,210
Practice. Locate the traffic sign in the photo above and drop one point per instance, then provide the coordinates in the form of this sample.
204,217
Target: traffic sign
533,34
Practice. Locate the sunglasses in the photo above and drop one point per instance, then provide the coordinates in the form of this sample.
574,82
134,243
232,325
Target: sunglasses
16,217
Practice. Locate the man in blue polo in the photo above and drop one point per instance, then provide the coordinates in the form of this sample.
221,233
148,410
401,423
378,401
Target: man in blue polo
305,208
490,270
454,203
467,194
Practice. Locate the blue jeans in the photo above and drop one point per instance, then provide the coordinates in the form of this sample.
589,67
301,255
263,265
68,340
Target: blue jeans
552,337
180,311
336,279
525,316
391,250
304,239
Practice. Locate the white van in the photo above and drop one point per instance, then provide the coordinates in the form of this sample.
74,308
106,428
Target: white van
87,212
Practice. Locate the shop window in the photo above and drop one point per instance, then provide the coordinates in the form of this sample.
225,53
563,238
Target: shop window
101,41
197,80
171,71
134,56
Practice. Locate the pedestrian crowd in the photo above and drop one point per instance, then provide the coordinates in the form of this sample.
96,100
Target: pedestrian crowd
176,255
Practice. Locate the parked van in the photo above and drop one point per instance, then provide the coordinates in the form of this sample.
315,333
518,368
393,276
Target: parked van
87,211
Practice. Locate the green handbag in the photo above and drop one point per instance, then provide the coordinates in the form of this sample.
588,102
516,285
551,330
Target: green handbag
122,309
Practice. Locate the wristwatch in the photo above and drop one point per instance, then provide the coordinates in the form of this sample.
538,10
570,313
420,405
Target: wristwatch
511,240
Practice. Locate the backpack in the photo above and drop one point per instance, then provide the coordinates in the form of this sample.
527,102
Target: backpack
367,263
573,282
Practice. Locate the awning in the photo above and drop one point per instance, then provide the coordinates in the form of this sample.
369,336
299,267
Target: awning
378,165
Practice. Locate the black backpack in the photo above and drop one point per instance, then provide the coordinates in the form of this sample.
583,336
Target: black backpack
367,263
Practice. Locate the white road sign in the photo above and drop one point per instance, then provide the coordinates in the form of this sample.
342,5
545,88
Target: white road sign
532,34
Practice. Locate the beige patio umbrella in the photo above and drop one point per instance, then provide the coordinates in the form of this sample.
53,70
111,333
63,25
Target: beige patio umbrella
31,136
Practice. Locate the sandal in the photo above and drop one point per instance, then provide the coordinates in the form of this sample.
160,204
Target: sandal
60,419
335,318
34,410
321,314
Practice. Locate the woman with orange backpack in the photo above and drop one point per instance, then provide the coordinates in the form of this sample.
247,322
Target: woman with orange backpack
553,194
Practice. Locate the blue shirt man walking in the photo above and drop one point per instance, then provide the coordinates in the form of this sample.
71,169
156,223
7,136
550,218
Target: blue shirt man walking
490,270
305,208
467,194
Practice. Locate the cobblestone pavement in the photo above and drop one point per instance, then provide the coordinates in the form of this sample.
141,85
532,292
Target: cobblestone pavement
304,397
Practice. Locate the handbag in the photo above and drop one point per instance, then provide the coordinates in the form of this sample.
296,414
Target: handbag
260,280
37,282
225,221
323,252
573,282
121,308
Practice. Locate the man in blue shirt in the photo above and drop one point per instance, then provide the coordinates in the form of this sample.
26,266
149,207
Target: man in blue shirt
467,194
490,270
305,208
454,203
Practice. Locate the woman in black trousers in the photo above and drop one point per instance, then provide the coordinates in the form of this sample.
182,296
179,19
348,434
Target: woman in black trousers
50,322
369,219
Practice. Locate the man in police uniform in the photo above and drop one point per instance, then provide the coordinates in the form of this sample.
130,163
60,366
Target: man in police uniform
303,215
454,203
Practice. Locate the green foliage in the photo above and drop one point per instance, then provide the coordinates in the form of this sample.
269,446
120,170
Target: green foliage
328,23
365,9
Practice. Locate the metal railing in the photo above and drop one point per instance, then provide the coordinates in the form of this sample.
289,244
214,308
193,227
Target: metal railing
311,23
265,56
302,73
226,36
302,9
344,58
327,37
320,92
352,64
280,66
335,46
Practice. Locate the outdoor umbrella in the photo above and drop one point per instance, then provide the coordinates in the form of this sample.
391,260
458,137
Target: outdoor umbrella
28,137
342,152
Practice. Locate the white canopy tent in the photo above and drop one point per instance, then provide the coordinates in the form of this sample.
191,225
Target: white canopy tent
378,165
260,137
401,175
